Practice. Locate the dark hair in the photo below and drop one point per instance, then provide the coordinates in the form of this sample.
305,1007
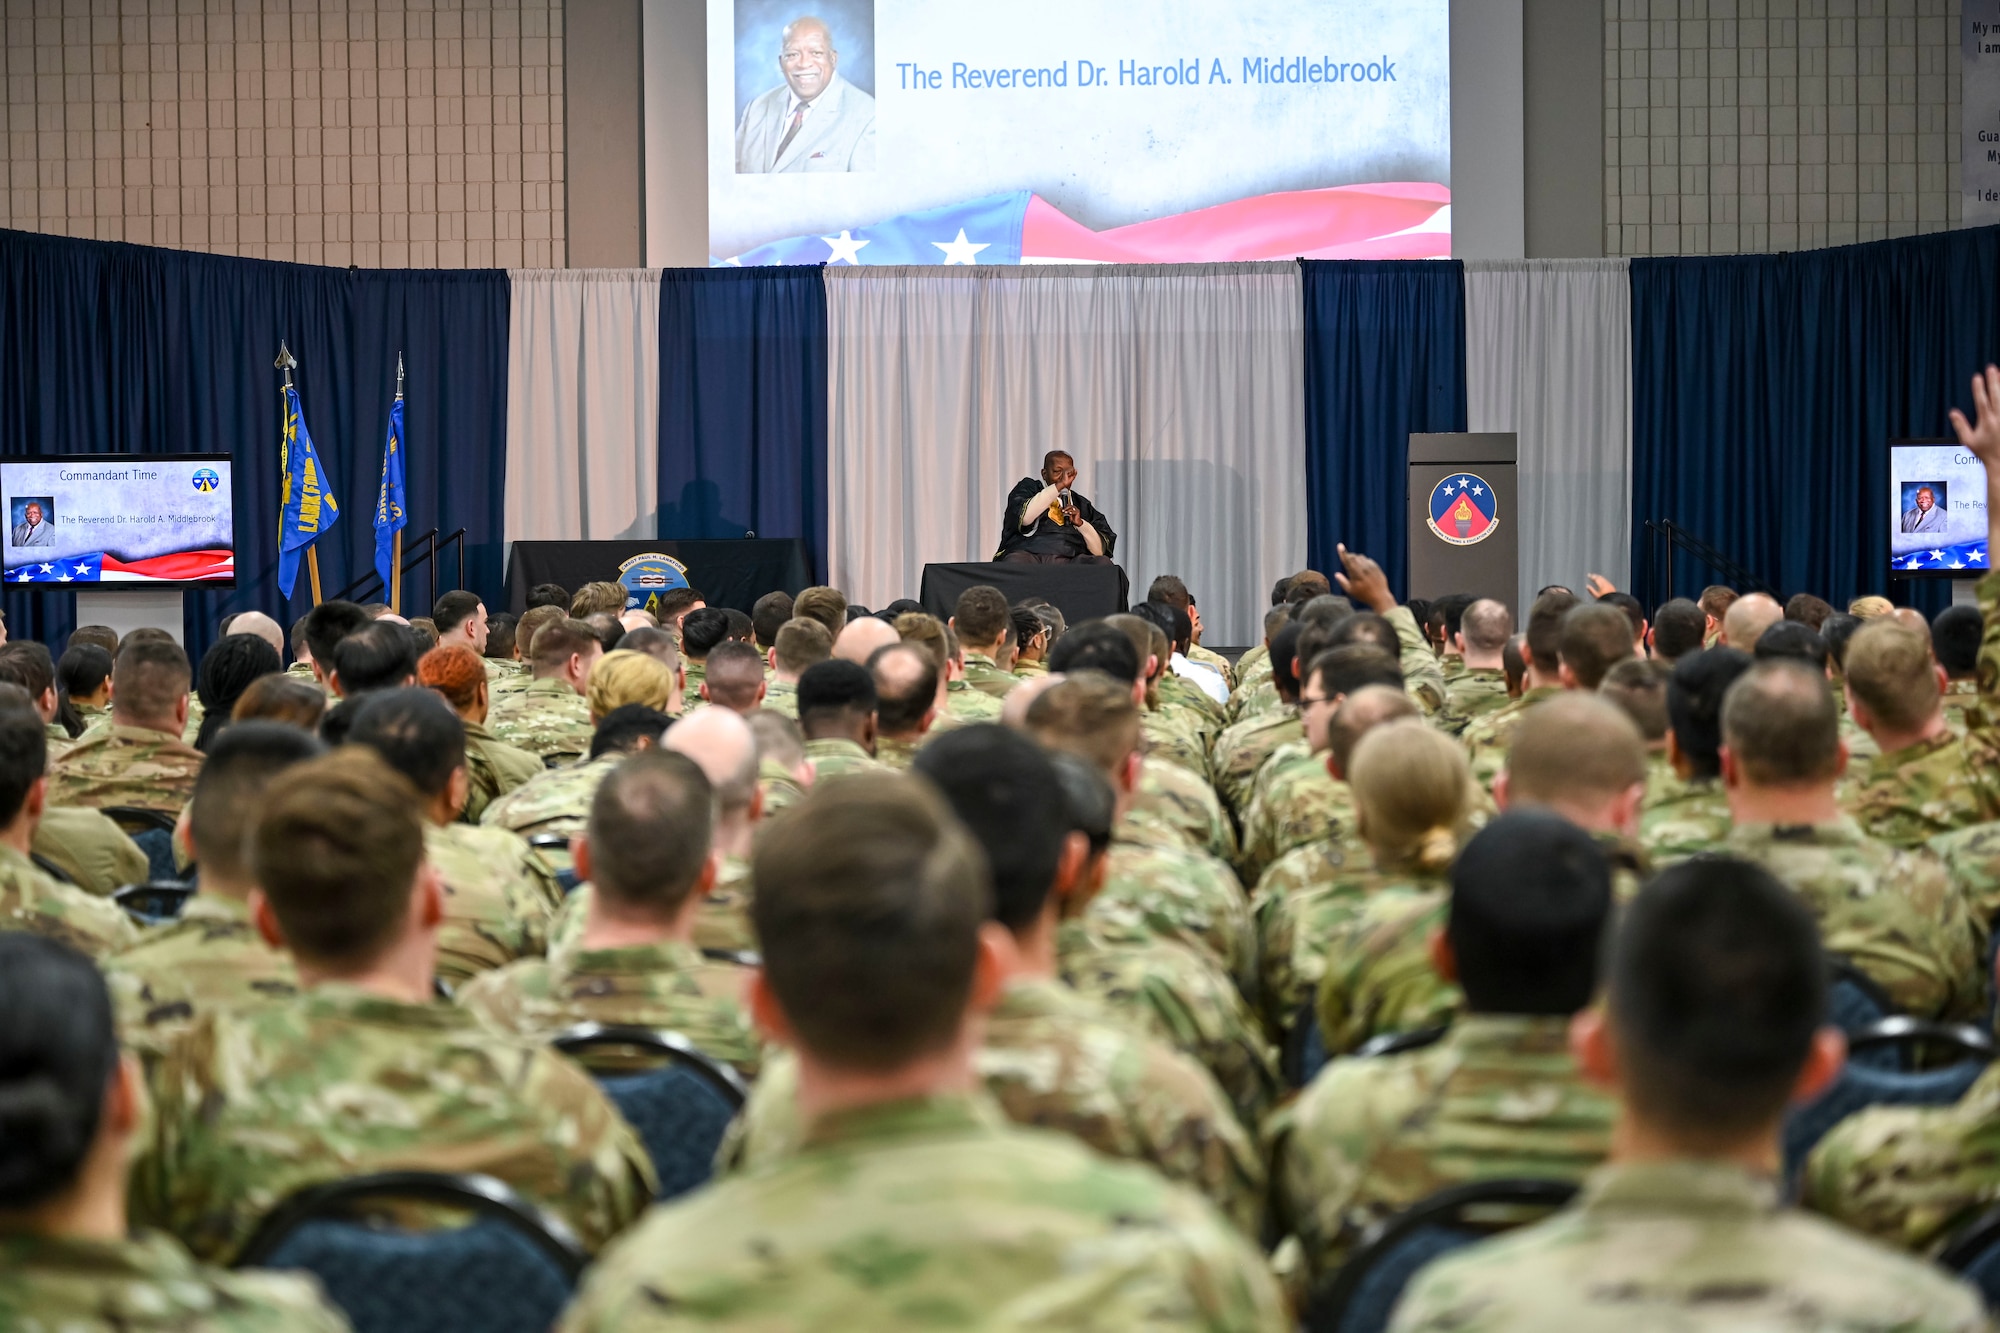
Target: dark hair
229,792
1793,640
1695,692
227,669
559,640
606,628
1171,621
1635,611
58,1051
1637,687
548,594
1593,637
281,698
654,641
24,757
327,624
1808,610
981,614
1352,667
1090,804
26,663
835,694
901,700
149,677
1026,625
1955,638
415,732
500,634
1096,646
82,670
768,615
740,626
1170,589
869,901
650,825
735,671
620,730
1005,791
1679,628
1543,635
454,609
1838,631
674,601
1530,898
703,628
378,656
1716,984
1284,661
99,636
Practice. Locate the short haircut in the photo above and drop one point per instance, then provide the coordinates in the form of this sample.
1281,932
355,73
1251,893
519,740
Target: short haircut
870,896
1889,670
1695,693
651,822
622,729
1362,712
1276,619
1140,631
1838,631
768,615
560,640
601,595
1716,984
1284,661
1448,613
500,634
58,1051
229,793
416,733
286,699
1574,747
1793,641
1090,715
327,624
608,629
1593,637
1486,625
1513,662
779,741
105,637
1530,900
24,758
336,850
549,594
926,632
1170,589
906,682
1782,725
1635,612
149,677
1716,599
454,609
982,614
734,674
1306,585
739,625
1352,667
826,605
1097,646
425,634
532,622
834,695
83,670
625,677
1956,633
675,601
802,642
1003,788
1808,610
1679,627
1172,623
26,663
1544,631
1330,627
703,628
655,642
1637,687
378,656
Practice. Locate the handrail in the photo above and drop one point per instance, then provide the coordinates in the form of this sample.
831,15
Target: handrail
426,549
1678,536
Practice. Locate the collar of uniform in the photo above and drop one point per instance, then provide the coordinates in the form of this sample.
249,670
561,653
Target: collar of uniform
1486,1035
1036,997
981,659
902,1120
1685,1186
344,1000
1535,694
770,770
173,1285
13,862
215,907
145,736
636,959
1961,687
549,685
1031,668
1841,832
827,747
476,731
1909,754
957,686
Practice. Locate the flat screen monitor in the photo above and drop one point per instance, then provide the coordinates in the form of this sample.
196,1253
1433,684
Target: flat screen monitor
1046,131
119,520
1936,511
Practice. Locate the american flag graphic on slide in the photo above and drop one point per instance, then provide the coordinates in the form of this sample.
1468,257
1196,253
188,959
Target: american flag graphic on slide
103,567
1387,221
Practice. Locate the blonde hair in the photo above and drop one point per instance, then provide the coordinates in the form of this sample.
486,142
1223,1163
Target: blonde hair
625,677
1412,790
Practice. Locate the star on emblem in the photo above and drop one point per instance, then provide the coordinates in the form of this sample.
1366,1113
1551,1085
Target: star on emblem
961,251
1479,490
847,250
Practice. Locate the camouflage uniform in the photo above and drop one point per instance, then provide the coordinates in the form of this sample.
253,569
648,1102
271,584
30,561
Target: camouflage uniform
1972,857
1959,695
665,985
1303,936
1242,750
500,669
1691,1246
1298,802
969,705
147,1284
1169,737
302,671
1487,738
256,1105
1179,894
1030,670
835,757
58,738
94,852
1895,915
1177,995
1498,1096
546,718
693,673
499,896
1423,676
781,787
1214,661
493,768
210,958
1258,695
894,752
1054,1060
36,902
932,1212
721,922
557,803
985,675
1254,665
1174,808
126,766
1682,818
1189,701
1478,692
782,696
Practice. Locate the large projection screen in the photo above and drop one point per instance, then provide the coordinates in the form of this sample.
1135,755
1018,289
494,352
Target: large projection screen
1190,130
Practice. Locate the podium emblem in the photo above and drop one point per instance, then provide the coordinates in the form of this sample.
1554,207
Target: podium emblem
644,577
1462,509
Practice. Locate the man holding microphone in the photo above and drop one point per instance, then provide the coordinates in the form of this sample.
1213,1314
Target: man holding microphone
1048,523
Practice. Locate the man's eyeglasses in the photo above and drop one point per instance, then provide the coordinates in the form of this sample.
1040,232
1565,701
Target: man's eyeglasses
1308,700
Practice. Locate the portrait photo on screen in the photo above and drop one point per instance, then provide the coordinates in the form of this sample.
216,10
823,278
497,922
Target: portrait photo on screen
1925,506
1936,509
31,521
805,86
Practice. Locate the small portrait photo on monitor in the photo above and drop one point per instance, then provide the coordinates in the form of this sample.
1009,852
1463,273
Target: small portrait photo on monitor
31,521
805,86
1925,508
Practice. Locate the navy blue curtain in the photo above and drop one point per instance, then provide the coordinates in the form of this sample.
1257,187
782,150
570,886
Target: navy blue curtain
118,348
1385,357
743,405
1765,389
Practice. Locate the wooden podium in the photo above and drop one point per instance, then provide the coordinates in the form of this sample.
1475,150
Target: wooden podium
1465,517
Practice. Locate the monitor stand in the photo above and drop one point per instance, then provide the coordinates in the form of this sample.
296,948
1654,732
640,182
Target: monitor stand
132,608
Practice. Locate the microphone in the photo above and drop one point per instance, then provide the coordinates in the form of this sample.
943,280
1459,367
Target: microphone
1065,497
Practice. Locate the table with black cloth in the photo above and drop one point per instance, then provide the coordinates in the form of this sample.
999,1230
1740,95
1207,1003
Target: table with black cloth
727,573
1080,592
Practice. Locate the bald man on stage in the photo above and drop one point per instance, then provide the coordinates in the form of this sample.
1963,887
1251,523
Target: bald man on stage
1048,523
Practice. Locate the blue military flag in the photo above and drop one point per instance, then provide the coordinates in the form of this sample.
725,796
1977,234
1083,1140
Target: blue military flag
309,506
391,511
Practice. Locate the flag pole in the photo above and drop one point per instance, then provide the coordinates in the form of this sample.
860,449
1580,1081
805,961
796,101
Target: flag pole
285,362
396,538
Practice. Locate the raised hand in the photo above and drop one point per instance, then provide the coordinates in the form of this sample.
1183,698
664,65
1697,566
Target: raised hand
1982,437
1599,586
1364,581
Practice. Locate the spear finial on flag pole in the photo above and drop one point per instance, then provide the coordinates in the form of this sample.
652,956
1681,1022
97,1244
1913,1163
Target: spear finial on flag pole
306,507
390,502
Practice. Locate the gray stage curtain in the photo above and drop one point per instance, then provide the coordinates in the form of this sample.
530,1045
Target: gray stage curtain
1548,346
1178,389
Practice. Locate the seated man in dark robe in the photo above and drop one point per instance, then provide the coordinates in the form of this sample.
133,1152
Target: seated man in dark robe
1048,523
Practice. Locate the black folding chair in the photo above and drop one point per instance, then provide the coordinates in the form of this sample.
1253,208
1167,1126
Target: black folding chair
1395,1043
154,903
511,1271
680,1107
566,877
152,832
1863,1084
1973,1252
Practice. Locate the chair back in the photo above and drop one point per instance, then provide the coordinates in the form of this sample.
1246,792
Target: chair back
1395,1043
1973,1252
511,1271
152,832
680,1108
1856,1001
1862,1084
556,846
1304,1052
154,903
1360,1297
